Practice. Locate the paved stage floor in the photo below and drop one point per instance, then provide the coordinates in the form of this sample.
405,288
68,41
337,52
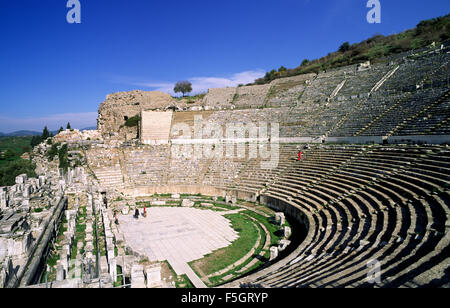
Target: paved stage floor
178,235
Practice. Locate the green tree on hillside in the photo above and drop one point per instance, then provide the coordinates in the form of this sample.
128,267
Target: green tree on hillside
68,126
45,134
63,157
183,87
35,140
282,69
270,75
344,47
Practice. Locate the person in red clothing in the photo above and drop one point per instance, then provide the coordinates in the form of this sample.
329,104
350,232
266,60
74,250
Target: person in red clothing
300,156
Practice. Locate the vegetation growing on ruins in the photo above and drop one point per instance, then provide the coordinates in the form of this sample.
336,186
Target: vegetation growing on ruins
36,140
80,232
63,157
273,229
54,255
248,236
133,121
428,31
53,151
183,282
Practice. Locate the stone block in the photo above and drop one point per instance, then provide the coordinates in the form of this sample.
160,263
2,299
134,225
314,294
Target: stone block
109,243
154,277
273,253
21,179
280,219
42,181
110,254
2,278
3,200
137,277
64,262
113,269
283,245
89,247
287,232
104,267
187,203
26,191
159,203
60,273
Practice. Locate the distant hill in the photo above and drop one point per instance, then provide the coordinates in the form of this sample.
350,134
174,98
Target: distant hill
21,133
30,133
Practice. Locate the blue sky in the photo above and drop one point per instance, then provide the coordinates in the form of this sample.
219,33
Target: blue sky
52,72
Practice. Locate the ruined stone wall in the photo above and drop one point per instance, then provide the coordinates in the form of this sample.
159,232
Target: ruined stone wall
119,107
29,217
220,98
105,164
251,96
288,91
145,165
76,136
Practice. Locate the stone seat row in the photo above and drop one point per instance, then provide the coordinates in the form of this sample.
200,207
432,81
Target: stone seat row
398,220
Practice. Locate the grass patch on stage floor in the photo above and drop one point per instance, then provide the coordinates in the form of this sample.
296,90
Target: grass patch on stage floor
220,259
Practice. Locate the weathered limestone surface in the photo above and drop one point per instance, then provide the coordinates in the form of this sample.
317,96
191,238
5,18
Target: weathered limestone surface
76,136
220,98
124,105
155,127
187,203
251,96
